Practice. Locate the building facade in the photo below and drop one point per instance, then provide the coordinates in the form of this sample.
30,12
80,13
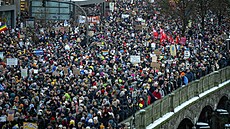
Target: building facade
9,10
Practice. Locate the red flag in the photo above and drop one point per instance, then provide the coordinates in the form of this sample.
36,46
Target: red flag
155,34
171,39
177,39
163,35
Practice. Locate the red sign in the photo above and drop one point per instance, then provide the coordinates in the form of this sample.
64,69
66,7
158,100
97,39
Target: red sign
94,19
183,40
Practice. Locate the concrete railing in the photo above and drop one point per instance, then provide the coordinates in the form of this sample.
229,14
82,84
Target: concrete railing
177,97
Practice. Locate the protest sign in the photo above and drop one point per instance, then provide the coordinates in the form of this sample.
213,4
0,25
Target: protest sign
157,52
55,73
173,50
10,116
12,61
111,6
65,70
94,19
24,73
183,40
91,33
35,71
124,16
38,52
138,27
155,65
105,52
76,71
135,59
1,55
154,58
2,119
186,54
153,45
29,125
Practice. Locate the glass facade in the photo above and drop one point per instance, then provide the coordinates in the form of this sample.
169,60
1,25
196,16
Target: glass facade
52,11
8,11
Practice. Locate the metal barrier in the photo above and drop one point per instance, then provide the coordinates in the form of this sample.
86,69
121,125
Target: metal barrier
159,108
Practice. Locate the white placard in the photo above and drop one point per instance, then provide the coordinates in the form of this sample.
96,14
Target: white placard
24,73
124,15
135,59
154,58
82,19
35,71
12,61
111,6
1,55
187,54
67,47
3,119
153,45
139,19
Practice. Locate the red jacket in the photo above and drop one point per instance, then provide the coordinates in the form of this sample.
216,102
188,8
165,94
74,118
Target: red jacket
157,95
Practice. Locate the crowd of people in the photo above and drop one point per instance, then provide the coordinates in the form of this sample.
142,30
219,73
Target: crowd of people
75,81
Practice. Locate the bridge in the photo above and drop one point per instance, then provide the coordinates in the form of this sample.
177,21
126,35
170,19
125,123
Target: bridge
204,103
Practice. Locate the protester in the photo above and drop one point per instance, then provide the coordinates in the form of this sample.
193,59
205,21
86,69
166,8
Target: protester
72,83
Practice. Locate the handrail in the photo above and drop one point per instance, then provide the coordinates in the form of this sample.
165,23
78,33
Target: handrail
179,96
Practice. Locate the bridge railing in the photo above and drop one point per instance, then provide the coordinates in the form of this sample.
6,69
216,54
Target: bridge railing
177,97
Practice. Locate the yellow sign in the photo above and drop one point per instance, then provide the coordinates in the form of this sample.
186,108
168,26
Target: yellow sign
173,50
28,125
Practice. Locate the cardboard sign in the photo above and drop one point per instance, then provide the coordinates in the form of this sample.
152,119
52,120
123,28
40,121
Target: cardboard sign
76,71
29,125
12,61
135,59
10,116
154,58
155,65
65,71
91,33
157,52
138,27
55,73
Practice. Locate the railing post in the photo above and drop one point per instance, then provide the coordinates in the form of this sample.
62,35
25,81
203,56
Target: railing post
197,88
216,78
142,113
172,102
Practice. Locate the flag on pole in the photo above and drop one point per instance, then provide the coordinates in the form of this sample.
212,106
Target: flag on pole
155,34
163,35
3,27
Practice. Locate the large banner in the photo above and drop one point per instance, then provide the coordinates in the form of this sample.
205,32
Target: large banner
12,61
91,19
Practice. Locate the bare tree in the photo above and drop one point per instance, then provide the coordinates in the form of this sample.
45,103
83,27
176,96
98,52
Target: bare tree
221,9
178,8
